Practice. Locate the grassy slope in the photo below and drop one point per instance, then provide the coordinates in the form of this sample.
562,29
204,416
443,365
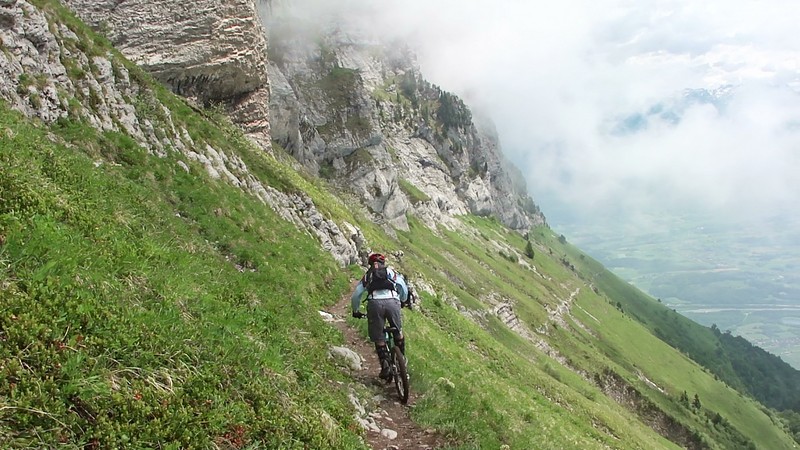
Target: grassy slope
732,359
125,321
523,372
122,307
671,370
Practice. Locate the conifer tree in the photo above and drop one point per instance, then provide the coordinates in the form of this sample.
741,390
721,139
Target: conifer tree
529,250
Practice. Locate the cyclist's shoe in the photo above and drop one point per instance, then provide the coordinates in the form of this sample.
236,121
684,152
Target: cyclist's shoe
386,371
383,357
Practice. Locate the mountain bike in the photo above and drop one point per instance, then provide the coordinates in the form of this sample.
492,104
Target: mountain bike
398,365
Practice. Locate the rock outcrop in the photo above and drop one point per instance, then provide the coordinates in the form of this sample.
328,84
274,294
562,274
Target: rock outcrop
341,102
358,112
214,51
56,73
352,109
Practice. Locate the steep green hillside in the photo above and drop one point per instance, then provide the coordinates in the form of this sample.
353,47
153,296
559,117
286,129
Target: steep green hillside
731,358
147,304
125,320
605,351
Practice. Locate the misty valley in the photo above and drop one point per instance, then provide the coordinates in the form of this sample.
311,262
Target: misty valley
743,278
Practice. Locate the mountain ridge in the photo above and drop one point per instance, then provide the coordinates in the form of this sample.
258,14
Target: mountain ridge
120,234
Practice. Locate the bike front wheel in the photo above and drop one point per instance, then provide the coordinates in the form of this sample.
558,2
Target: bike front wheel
400,374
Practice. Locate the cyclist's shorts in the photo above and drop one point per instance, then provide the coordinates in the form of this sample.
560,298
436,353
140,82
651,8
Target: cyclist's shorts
380,310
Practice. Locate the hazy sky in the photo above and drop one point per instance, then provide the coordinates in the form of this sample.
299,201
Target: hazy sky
561,79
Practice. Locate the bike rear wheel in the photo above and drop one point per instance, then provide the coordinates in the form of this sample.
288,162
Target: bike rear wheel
400,374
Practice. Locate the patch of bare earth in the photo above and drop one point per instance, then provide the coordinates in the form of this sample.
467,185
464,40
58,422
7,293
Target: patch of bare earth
390,414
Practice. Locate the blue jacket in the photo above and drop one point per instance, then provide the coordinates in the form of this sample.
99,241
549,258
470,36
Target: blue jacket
400,292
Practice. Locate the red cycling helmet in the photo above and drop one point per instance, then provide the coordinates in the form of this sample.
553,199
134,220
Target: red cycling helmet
376,257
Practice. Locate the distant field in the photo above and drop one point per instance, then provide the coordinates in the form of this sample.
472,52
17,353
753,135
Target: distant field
743,278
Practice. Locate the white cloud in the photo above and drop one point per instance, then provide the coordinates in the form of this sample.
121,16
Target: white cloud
554,76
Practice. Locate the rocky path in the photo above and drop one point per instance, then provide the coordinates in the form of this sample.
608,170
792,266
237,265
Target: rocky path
563,309
390,427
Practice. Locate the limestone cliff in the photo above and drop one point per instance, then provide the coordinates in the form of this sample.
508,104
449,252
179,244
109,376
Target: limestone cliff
61,75
349,107
212,50
359,112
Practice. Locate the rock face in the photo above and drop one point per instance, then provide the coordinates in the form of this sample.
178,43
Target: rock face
358,112
212,50
344,104
348,107
45,74
54,72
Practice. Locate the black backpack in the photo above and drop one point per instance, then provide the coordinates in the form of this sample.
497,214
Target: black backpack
377,278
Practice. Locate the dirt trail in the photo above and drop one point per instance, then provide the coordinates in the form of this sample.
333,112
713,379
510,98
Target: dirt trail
390,414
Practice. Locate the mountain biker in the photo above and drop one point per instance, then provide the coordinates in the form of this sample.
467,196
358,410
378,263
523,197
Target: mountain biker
385,289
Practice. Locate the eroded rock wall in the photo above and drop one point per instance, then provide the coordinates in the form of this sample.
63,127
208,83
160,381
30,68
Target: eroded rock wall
358,112
214,51
51,72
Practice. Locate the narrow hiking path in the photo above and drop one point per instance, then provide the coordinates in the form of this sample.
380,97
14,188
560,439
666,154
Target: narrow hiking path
396,431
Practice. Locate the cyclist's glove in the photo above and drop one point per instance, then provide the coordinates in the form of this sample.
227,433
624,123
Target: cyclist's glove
358,314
